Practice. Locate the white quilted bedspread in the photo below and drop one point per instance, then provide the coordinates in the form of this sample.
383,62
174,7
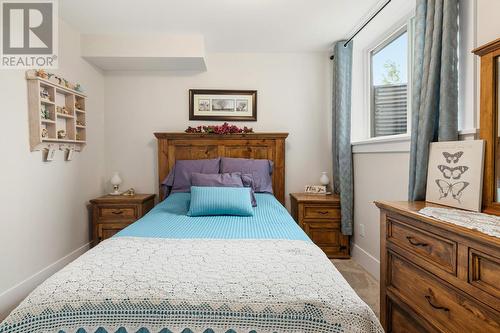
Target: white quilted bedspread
154,283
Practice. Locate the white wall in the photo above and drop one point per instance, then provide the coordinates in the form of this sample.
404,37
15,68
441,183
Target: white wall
381,171
293,96
44,213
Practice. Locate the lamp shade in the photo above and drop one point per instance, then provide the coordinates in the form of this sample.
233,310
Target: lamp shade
115,179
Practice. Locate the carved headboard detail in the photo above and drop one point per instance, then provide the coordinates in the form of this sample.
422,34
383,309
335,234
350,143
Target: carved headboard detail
189,146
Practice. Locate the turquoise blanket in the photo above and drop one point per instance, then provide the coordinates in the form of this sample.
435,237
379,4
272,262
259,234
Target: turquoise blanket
169,220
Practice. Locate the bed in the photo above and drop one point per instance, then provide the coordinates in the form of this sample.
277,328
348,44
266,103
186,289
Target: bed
169,272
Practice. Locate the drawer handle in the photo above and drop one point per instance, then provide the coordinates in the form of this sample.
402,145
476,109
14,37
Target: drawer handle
117,212
322,212
414,242
438,307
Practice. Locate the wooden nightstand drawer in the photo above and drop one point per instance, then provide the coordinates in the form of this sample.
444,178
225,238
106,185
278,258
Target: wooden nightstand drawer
438,250
432,298
117,212
320,212
319,217
113,213
108,230
322,233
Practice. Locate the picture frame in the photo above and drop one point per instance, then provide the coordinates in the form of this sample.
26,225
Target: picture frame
455,174
226,105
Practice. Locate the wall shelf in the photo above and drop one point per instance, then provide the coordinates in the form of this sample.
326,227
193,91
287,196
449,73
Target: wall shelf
62,115
44,99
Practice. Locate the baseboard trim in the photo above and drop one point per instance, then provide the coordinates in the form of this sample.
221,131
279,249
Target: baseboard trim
365,259
10,298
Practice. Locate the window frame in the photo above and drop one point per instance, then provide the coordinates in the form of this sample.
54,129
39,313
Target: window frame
404,25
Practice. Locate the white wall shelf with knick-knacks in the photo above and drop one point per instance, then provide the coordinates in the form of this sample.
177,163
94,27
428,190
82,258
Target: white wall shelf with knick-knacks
57,112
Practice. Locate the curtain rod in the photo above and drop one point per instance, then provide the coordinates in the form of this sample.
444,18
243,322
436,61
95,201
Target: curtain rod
364,25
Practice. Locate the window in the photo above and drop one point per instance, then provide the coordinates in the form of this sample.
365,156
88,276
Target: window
389,64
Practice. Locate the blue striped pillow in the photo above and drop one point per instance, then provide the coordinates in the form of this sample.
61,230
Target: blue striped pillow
207,201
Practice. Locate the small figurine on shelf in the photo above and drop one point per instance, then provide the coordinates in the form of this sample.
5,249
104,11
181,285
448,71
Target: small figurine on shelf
42,74
68,84
44,112
57,79
79,105
78,137
45,133
61,134
80,123
78,87
44,93
62,110
130,192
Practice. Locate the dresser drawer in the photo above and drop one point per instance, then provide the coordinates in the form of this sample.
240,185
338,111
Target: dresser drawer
438,250
401,321
443,306
319,212
484,272
115,212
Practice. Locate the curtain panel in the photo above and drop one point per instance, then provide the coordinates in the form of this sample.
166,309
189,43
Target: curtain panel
341,133
434,85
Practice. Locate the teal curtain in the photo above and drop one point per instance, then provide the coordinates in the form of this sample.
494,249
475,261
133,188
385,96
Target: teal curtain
341,132
434,85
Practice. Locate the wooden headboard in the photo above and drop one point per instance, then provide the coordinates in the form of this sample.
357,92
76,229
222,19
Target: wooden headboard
188,146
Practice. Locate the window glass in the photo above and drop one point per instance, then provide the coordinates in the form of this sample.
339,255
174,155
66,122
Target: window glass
389,107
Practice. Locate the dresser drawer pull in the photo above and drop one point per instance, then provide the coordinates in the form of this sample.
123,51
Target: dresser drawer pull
414,242
429,299
322,212
117,212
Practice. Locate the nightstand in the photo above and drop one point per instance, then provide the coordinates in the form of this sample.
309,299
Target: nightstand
112,213
319,216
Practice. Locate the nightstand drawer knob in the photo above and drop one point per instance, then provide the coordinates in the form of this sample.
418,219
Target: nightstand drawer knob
117,212
322,212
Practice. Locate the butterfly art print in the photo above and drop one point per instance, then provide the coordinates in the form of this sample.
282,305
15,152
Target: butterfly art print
455,174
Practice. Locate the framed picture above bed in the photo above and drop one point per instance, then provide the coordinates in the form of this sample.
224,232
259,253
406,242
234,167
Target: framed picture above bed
236,105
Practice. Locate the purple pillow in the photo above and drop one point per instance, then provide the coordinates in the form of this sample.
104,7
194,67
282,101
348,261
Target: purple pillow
260,170
217,179
234,179
179,178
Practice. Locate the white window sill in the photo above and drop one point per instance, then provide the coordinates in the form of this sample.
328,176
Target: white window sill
398,143
388,144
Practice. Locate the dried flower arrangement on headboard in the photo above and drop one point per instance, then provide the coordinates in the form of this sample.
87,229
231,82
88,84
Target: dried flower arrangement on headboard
219,129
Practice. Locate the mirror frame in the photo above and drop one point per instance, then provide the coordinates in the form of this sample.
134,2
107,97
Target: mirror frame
488,126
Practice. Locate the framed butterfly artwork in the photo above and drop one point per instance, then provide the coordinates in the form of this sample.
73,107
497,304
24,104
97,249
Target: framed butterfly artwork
455,174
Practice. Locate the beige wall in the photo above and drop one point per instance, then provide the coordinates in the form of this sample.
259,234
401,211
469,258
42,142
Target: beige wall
488,24
44,215
293,96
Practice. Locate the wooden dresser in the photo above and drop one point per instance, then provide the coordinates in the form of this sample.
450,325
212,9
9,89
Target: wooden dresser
112,213
319,217
436,276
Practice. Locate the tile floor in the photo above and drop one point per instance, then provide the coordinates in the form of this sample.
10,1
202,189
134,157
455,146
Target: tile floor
365,285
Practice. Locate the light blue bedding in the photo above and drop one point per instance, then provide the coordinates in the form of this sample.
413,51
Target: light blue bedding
169,220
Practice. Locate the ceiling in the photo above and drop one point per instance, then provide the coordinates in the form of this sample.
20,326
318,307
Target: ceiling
227,25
